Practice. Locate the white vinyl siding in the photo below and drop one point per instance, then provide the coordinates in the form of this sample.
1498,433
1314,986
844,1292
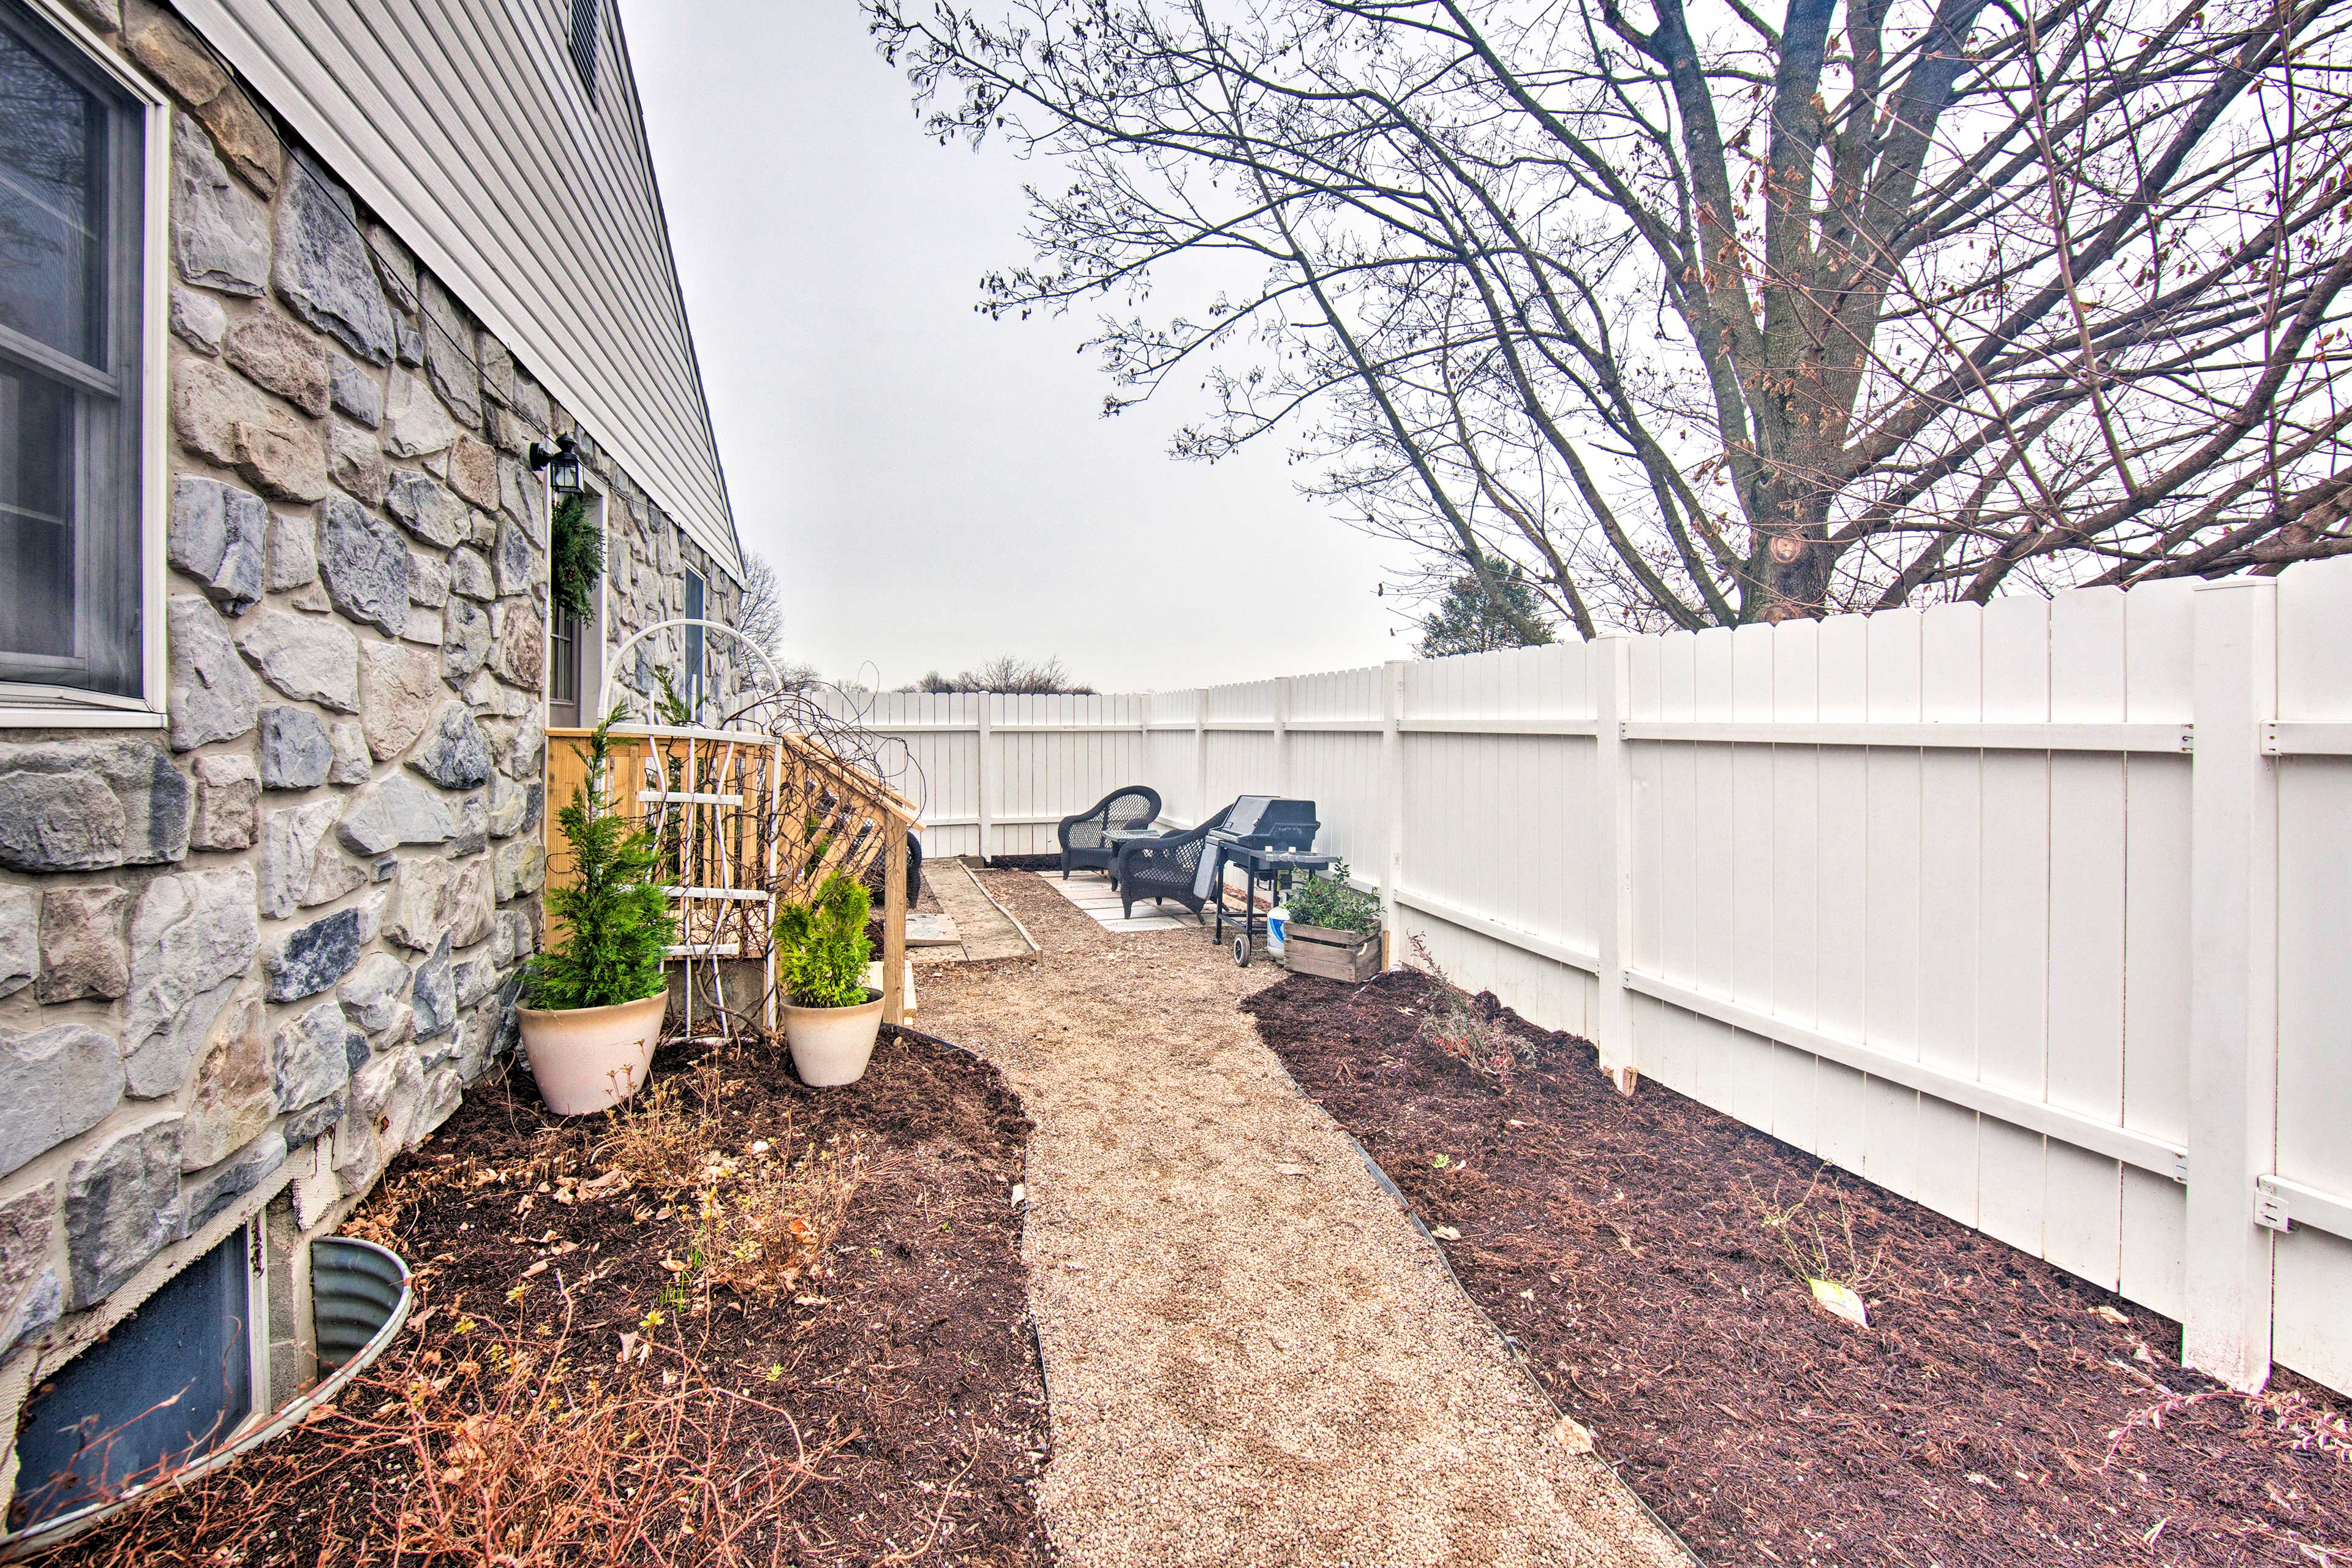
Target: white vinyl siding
462,123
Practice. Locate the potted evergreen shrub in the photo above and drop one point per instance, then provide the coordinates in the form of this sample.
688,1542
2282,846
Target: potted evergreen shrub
1334,929
831,1015
597,997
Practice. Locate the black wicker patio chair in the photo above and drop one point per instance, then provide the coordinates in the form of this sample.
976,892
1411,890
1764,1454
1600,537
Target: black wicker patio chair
1124,810
1163,868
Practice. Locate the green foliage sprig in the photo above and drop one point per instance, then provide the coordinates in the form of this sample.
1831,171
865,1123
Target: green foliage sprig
617,918
1331,903
576,555
821,946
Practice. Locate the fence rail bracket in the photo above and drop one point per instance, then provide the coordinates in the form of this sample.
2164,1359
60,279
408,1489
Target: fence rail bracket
2281,1204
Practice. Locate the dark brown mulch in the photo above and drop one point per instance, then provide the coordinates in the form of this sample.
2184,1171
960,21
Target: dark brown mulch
903,1373
1025,862
1995,1411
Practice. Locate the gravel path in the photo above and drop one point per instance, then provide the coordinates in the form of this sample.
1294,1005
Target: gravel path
1252,1356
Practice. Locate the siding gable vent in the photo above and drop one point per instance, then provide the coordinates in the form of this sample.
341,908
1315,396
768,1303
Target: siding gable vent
583,43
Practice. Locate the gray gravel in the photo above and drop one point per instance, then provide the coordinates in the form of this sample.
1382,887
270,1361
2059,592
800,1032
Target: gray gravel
1252,1356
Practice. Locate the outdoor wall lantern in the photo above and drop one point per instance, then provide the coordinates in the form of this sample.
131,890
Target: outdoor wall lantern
561,463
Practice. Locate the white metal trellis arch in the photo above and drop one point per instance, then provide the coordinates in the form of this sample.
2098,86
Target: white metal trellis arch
664,798
604,687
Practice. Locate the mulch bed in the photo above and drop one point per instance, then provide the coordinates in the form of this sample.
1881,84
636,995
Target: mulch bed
897,1385
1995,1411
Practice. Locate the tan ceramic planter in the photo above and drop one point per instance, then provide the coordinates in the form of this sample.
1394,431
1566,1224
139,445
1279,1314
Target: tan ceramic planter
591,1058
833,1045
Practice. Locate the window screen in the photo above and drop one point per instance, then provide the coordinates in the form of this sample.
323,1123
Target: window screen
71,238
583,43
694,644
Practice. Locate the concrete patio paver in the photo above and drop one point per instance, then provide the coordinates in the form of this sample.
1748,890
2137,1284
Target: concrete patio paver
1252,1356
1092,891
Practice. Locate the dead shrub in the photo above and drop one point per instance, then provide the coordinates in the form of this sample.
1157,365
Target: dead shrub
523,1458
771,1218
666,1139
1473,1035
762,1218
2299,1422
1810,1249
488,1448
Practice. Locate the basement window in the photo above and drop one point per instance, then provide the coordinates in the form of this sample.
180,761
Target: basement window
173,1381
80,436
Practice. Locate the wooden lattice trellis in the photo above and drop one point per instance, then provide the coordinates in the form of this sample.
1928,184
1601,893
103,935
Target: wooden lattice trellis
745,819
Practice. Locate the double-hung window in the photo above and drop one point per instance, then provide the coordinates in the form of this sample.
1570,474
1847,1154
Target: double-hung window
694,592
80,224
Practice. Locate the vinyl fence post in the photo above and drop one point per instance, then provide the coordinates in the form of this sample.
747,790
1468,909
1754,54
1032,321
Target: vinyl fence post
1200,756
1612,782
987,779
1391,797
2233,993
1282,735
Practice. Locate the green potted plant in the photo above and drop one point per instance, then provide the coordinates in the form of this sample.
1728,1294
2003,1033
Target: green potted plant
831,1015
597,996
1334,929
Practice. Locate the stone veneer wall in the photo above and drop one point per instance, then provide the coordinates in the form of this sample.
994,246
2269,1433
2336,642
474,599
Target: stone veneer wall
269,946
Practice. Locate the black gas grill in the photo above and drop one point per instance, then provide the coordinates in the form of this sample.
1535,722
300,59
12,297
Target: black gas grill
1268,839
1268,822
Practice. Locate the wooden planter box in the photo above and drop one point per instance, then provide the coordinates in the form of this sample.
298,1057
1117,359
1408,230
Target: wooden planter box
1333,954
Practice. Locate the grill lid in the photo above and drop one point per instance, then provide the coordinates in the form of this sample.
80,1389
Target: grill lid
1266,821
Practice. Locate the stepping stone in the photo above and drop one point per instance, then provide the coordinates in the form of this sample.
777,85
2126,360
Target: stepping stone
932,930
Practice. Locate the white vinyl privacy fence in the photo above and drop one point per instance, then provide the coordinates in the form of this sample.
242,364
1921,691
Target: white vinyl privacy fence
2037,913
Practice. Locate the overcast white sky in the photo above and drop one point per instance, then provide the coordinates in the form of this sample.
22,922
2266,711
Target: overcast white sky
932,487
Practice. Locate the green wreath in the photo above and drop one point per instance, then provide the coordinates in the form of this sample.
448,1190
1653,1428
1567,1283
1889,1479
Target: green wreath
576,556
